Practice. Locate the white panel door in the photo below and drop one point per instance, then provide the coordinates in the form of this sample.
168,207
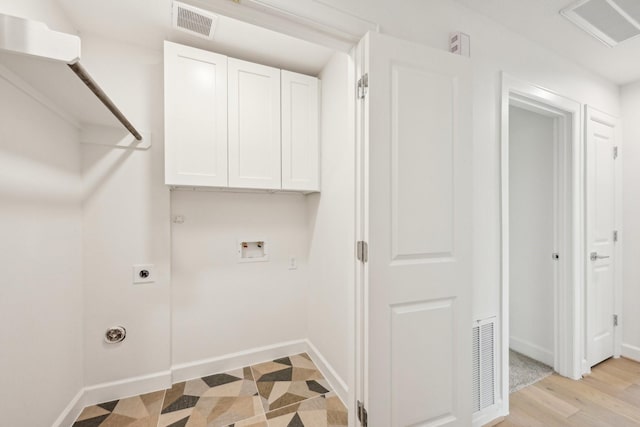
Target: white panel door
300,133
417,135
195,91
254,125
601,219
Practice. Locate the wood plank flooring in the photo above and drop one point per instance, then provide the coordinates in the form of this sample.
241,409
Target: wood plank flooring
609,397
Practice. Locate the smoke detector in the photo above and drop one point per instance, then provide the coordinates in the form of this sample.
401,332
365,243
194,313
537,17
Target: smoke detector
193,20
610,21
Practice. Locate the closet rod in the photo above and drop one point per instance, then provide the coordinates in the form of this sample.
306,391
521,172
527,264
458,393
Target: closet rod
91,84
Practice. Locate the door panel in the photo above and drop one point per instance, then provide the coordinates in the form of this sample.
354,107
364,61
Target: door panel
417,124
254,125
601,134
300,133
422,149
420,371
195,116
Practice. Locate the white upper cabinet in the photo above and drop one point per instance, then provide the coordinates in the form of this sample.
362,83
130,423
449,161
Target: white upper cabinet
300,139
254,125
235,124
195,85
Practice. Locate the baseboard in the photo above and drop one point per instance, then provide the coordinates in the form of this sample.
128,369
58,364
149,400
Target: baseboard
70,414
489,416
335,381
533,351
228,362
631,352
116,390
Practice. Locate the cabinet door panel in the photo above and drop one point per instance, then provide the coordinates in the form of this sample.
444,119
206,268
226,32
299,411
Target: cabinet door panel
195,117
300,142
254,125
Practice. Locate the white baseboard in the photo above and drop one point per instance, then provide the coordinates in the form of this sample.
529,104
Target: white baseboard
489,414
116,390
631,352
335,381
182,372
71,412
533,351
228,362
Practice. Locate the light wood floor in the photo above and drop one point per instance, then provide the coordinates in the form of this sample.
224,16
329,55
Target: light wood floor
610,396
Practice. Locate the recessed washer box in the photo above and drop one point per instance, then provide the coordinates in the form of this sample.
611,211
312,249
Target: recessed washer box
252,250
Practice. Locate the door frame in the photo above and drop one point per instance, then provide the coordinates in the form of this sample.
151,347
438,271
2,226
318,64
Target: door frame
569,325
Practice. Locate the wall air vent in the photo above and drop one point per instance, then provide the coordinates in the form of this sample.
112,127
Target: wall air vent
484,364
610,21
193,20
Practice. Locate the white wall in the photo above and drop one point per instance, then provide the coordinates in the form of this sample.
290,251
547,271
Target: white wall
220,306
40,260
40,248
630,236
47,11
332,225
126,222
531,234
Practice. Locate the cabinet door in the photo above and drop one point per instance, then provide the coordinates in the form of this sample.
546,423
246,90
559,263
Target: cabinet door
195,85
300,147
254,125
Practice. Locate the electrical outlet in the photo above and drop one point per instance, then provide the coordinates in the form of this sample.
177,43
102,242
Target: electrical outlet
143,273
293,263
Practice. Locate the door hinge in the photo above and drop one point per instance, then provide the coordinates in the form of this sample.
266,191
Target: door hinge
615,152
363,86
615,236
362,250
615,320
362,414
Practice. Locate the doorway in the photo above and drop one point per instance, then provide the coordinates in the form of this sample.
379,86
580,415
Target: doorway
534,151
542,230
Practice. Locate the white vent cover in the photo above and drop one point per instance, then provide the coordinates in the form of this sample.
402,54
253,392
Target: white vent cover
610,21
484,364
193,20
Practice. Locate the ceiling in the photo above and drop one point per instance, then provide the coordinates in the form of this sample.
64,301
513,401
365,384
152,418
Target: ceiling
148,23
541,22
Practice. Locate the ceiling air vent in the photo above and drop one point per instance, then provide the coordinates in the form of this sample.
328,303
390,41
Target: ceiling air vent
193,20
610,21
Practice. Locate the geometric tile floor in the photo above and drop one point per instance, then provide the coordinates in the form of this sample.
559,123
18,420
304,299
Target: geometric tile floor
286,392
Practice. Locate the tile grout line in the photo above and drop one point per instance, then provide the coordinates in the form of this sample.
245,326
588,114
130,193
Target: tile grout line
255,382
164,396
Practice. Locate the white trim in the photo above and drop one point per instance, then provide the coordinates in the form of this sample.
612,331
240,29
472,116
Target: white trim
228,362
70,414
487,415
631,352
531,350
128,387
335,381
310,20
569,337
